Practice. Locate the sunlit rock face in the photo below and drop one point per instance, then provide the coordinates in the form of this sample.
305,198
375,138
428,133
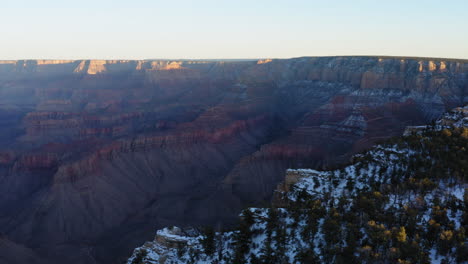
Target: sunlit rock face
95,154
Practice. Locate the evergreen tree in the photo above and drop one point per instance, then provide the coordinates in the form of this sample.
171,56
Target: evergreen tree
244,236
208,241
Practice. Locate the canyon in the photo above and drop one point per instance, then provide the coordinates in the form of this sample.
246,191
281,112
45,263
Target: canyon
96,155
335,216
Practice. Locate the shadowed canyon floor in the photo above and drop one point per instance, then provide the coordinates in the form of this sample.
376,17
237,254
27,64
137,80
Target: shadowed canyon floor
95,155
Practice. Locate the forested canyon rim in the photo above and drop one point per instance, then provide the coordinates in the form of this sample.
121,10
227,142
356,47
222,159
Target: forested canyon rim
388,205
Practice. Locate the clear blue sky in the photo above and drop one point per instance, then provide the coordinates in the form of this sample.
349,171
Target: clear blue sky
139,29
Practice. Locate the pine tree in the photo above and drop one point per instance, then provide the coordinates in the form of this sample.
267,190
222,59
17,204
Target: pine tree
244,236
268,255
208,241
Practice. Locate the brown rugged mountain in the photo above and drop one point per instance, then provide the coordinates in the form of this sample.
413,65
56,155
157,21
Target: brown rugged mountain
96,154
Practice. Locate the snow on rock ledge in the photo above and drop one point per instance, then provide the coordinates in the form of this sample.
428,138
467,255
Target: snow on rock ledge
458,117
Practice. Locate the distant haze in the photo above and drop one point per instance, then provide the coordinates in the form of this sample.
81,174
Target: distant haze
242,29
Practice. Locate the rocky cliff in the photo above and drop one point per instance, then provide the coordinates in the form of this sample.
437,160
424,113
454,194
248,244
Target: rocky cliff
403,201
95,153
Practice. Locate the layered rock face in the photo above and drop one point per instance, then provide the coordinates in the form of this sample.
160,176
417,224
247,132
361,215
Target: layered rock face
94,154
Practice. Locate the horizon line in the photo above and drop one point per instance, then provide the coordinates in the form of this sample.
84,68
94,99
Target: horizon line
243,59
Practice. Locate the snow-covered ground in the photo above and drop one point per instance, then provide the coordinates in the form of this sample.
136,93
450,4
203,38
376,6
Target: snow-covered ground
379,166
347,182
